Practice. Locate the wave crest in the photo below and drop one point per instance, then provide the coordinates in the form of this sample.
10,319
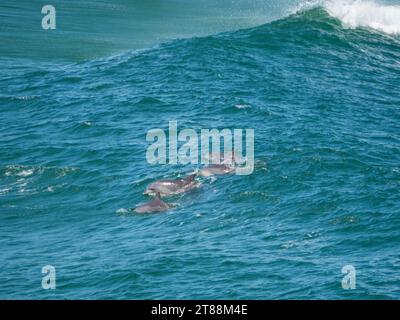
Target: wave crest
357,13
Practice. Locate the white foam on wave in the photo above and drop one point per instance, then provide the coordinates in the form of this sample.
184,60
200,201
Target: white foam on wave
25,173
122,211
365,13
242,106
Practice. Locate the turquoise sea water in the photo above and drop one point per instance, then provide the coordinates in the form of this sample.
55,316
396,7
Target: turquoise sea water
323,98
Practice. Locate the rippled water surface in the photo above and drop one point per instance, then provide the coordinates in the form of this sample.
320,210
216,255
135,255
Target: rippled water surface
323,99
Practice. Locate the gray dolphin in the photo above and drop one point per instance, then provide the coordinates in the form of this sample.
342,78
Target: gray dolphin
156,205
172,186
216,169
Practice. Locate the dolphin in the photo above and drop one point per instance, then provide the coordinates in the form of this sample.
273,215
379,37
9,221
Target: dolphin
223,165
172,186
156,205
220,158
216,169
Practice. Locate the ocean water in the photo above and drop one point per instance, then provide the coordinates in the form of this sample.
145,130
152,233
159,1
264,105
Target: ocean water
319,83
